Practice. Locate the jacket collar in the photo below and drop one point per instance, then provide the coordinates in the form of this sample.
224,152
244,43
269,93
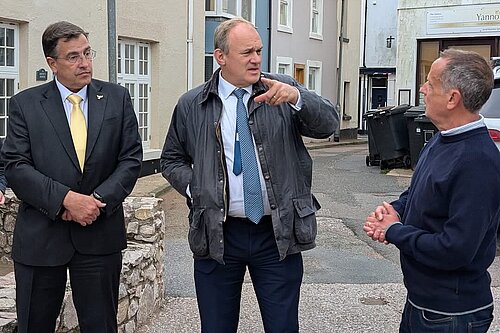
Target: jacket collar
211,87
53,108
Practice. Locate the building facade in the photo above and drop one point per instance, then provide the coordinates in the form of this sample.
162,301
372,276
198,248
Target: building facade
426,27
159,48
304,43
377,69
217,11
349,18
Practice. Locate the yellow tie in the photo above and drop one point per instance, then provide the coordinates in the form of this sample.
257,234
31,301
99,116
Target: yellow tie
78,128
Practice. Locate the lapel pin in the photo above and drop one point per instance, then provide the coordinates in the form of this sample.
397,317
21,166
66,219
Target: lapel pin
100,96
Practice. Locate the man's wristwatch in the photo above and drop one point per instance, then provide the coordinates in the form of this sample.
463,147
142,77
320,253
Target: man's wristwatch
97,196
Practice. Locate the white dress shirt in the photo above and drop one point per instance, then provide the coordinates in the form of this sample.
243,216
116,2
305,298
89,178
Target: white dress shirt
65,92
228,129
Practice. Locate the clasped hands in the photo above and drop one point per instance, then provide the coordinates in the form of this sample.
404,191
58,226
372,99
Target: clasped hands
377,222
81,208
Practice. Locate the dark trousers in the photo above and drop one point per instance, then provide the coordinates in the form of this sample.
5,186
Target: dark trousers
276,283
94,283
420,321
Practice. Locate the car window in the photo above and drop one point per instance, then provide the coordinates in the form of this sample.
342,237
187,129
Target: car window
491,109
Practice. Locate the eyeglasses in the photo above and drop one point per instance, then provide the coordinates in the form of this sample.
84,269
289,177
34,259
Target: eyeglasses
74,58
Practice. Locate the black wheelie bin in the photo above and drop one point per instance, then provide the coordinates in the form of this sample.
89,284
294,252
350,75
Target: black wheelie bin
420,131
388,130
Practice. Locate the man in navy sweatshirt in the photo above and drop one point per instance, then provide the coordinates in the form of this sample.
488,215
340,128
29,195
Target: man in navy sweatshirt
445,224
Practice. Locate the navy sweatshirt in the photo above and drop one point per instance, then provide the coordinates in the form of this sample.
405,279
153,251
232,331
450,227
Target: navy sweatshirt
450,215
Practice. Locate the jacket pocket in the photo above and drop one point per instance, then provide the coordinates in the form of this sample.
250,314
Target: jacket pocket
305,226
197,236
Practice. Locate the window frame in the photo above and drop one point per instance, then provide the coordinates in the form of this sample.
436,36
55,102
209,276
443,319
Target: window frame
10,73
318,80
319,8
288,61
288,28
210,57
137,79
218,12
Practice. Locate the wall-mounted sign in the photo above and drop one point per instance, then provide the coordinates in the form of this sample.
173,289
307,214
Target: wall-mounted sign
464,19
41,75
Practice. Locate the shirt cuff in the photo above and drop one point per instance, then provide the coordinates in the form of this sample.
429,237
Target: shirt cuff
297,106
387,229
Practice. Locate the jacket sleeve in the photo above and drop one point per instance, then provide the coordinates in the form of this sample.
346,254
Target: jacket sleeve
121,182
175,160
470,217
400,204
318,118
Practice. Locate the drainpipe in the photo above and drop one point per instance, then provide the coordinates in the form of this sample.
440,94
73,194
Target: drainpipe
363,96
190,45
336,136
112,41
269,31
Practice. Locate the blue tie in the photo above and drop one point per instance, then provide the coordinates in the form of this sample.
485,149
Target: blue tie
252,193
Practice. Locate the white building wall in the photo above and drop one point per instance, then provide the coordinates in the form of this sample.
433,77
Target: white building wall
349,100
33,17
300,47
412,26
381,23
162,23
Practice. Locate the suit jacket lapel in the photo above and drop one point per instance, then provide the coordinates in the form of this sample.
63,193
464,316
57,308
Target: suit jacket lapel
53,107
96,108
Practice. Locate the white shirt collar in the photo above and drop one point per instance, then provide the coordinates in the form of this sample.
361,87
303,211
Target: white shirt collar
65,92
226,88
465,128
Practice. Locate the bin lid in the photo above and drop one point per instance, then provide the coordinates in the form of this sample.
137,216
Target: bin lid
399,109
413,113
418,108
422,119
386,111
370,114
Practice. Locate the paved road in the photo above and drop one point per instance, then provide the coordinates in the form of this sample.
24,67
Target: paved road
351,284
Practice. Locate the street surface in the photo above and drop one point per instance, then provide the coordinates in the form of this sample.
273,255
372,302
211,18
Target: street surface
351,284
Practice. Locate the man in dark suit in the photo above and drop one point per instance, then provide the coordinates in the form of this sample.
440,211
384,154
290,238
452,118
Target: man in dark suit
71,183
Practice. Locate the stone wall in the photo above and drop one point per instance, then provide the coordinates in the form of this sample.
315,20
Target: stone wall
141,281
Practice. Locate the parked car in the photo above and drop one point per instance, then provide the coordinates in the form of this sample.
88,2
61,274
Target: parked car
491,112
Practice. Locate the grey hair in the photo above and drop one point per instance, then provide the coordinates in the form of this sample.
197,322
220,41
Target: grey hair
471,74
221,35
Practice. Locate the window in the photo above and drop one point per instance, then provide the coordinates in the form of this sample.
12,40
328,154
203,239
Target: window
313,75
210,65
285,16
247,10
7,46
6,92
210,5
316,19
428,52
231,8
9,70
134,74
284,65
